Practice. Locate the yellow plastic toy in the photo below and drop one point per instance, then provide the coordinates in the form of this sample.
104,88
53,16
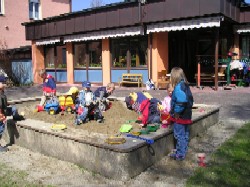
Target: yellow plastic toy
66,100
58,127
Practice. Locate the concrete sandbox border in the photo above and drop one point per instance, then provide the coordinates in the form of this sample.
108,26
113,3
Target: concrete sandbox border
120,162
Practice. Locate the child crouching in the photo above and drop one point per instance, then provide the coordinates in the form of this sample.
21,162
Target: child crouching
86,106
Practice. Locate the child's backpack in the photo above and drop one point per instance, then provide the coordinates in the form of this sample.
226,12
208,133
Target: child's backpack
101,91
154,113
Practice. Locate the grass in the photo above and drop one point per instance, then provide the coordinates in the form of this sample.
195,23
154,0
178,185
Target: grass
14,178
230,164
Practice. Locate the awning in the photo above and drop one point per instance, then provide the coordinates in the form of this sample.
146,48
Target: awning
47,41
242,28
185,24
121,32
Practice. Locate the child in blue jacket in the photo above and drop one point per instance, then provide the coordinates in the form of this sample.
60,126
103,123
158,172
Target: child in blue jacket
181,112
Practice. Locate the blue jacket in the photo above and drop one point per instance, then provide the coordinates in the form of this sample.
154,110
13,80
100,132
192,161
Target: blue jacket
49,84
182,101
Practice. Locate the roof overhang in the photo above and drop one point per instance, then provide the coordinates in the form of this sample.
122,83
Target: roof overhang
48,41
240,29
121,32
185,24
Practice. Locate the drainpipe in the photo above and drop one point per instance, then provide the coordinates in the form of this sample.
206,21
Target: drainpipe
139,12
150,51
216,59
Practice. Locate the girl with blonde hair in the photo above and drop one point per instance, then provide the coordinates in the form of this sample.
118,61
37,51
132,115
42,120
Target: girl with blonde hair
181,112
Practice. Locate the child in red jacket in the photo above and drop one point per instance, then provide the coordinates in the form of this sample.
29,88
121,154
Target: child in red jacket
49,86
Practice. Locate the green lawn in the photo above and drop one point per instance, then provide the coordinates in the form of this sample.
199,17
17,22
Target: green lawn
14,178
230,164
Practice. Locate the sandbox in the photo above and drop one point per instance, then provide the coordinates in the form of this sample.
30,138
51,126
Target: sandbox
88,149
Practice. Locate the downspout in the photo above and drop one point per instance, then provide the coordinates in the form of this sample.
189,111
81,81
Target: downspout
150,51
216,59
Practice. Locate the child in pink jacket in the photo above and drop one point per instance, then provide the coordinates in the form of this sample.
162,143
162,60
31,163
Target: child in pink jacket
166,103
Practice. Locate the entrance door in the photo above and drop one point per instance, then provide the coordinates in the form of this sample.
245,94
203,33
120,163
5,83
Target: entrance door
182,52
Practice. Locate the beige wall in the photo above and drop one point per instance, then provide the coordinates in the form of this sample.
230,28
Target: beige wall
70,63
37,62
106,62
11,30
17,12
54,7
159,54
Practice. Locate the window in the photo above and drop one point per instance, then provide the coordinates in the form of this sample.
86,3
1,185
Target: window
88,55
49,57
55,56
1,7
95,54
129,52
61,61
34,9
80,55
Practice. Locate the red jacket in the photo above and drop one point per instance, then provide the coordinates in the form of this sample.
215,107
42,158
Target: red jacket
144,108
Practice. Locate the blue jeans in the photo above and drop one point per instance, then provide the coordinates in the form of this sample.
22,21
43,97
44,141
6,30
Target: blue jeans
2,127
181,134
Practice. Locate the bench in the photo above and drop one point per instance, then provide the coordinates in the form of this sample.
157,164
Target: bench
130,78
209,78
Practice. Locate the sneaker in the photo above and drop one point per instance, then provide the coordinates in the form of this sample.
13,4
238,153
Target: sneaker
176,157
179,158
18,117
99,120
3,149
172,155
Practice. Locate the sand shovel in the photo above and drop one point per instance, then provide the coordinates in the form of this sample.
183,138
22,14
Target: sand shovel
148,141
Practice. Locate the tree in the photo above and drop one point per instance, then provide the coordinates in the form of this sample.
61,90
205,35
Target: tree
96,3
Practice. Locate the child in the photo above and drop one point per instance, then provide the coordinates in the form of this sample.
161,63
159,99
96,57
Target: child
2,127
102,93
86,106
166,104
5,109
49,86
181,112
107,91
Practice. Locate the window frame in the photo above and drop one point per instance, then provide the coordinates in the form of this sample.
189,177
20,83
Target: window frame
123,55
2,7
33,15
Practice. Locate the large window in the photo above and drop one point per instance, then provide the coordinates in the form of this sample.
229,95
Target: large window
87,54
1,7
245,47
95,54
129,52
34,6
55,56
49,55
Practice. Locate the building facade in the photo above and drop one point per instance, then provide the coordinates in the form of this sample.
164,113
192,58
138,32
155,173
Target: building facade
100,44
12,33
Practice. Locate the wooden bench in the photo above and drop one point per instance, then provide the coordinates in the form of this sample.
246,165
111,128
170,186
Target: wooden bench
209,77
130,78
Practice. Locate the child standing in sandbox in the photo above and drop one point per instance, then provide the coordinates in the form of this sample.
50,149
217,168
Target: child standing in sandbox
181,112
166,105
49,86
